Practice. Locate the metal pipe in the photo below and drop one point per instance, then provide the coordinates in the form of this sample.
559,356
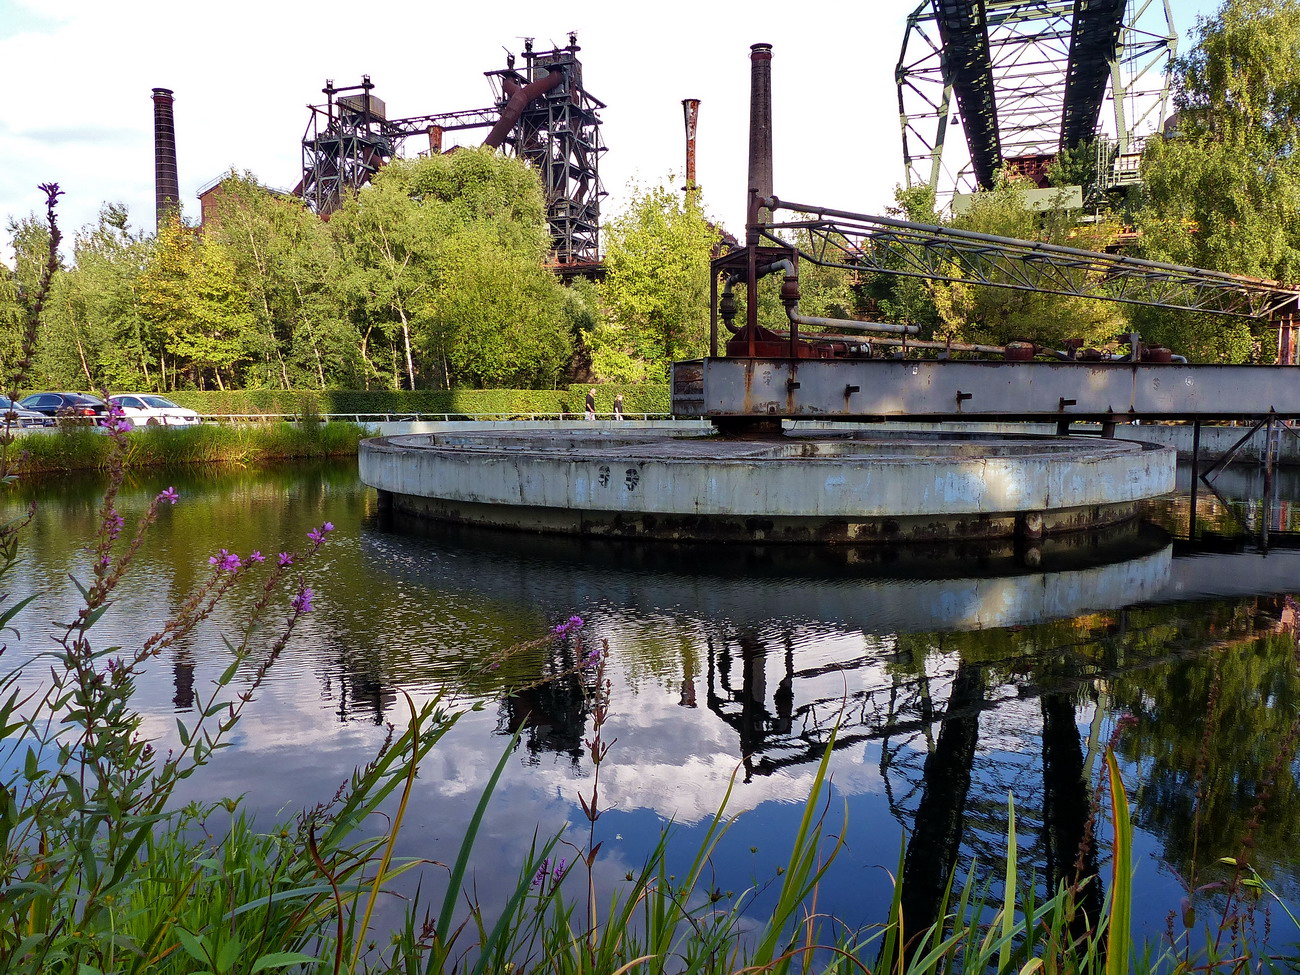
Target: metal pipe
891,328
691,112
167,191
518,100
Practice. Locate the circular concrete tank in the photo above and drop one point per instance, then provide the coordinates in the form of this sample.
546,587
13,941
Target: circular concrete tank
825,487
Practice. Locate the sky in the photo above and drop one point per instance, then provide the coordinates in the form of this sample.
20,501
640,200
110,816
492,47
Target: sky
78,75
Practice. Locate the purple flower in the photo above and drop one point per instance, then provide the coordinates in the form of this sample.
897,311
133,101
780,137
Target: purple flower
225,561
284,559
558,872
169,495
113,524
568,626
256,557
302,602
317,535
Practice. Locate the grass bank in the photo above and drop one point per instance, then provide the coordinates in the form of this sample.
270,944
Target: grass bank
87,449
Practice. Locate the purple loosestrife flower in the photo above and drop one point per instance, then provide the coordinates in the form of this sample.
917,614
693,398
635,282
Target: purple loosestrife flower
317,535
568,626
302,602
284,559
559,869
256,557
113,524
169,495
225,561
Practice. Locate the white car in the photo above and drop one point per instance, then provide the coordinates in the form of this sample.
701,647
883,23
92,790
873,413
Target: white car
146,409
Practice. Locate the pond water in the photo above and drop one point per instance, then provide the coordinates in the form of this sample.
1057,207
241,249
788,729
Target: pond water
955,678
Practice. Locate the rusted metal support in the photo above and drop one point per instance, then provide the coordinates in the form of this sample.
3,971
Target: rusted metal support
691,113
713,312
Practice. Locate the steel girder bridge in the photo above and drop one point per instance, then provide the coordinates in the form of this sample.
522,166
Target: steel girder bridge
1028,79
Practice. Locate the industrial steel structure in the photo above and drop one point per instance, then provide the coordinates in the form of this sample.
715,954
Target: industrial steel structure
849,369
1029,78
542,113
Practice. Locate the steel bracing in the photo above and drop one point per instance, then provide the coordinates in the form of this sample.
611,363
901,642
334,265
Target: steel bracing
349,138
838,238
543,114
1027,78
558,133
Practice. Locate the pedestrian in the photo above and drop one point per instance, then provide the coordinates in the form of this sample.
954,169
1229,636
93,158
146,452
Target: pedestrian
591,403
618,407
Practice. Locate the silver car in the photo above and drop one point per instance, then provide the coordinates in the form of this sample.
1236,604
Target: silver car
146,409
20,417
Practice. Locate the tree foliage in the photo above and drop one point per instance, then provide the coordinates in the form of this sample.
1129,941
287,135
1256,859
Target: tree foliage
1222,191
656,288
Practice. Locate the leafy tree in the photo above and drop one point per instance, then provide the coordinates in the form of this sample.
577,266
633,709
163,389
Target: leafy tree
1223,191
447,255
96,335
974,313
190,295
656,288
287,261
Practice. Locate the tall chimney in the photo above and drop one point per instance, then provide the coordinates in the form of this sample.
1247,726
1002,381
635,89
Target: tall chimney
691,110
760,124
167,191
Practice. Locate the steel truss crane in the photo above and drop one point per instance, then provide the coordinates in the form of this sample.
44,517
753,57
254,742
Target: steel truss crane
1029,78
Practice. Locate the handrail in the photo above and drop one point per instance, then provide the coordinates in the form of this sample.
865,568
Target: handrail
420,417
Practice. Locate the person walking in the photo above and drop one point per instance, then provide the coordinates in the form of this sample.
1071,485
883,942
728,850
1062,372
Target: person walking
591,403
618,407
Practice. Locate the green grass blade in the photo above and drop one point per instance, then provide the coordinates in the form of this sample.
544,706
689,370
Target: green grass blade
1119,934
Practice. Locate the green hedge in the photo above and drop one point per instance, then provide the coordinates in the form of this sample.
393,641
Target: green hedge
455,402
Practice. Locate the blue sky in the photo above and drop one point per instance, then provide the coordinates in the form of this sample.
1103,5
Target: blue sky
77,75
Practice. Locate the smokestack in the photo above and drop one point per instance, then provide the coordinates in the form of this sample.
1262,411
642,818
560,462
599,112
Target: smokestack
435,140
760,123
167,191
691,110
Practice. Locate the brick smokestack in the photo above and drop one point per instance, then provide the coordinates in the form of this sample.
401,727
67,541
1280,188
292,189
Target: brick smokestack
167,191
760,122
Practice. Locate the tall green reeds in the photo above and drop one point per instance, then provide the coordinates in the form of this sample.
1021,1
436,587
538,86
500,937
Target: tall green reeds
88,449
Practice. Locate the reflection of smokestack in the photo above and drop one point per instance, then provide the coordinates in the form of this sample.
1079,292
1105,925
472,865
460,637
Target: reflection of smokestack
760,120
691,110
167,190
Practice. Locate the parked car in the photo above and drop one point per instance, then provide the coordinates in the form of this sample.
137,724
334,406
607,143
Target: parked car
20,417
67,405
146,409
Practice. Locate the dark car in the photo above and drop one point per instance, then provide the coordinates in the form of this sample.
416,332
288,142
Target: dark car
70,405
13,415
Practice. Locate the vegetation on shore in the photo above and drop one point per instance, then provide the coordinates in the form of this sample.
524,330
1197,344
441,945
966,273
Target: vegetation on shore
100,871
89,449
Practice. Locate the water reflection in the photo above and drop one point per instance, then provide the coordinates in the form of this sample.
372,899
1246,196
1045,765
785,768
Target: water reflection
955,676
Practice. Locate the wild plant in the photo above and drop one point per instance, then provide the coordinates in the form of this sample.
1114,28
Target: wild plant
99,871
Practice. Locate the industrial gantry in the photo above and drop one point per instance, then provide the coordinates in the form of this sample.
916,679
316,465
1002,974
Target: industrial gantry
543,114
1028,79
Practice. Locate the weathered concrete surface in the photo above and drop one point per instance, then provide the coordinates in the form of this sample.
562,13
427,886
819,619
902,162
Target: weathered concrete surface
794,489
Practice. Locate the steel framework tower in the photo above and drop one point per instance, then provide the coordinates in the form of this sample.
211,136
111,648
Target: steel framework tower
1029,79
543,114
558,132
